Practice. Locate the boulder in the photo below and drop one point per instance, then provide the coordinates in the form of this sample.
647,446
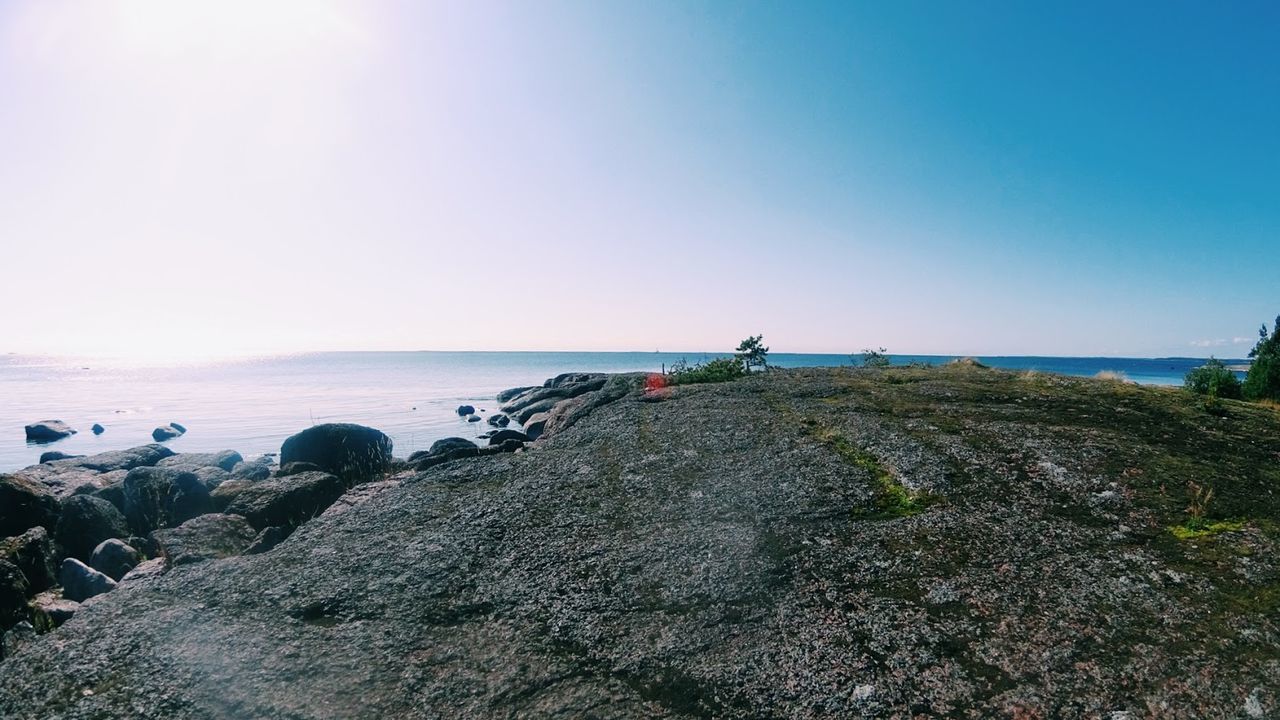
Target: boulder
147,569
34,554
226,493
98,429
156,497
208,537
534,424
287,501
145,546
255,469
226,460
179,428
114,558
465,410
141,456
211,477
508,394
268,539
473,418
81,582
86,521
166,432
499,420
449,444
48,431
51,455
25,504
113,493
13,594
49,609
352,452
502,435
294,468
16,638
565,387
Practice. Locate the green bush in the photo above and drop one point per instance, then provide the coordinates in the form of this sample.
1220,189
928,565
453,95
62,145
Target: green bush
1263,380
1214,379
718,370
872,358
753,353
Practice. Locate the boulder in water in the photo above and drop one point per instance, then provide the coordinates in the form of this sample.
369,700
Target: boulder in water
166,432
499,420
98,429
48,431
465,410
51,455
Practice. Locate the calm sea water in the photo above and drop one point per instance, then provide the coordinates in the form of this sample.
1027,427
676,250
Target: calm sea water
252,405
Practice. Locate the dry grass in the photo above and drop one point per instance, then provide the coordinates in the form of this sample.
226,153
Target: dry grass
1113,376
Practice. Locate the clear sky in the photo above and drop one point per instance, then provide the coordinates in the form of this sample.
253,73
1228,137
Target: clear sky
227,176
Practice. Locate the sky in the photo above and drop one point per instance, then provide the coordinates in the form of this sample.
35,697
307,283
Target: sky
218,177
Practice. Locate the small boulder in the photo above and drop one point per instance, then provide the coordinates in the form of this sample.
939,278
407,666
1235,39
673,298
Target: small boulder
208,537
226,460
147,569
13,594
49,609
16,638
166,432
25,504
114,558
51,455
113,493
179,428
473,418
211,477
534,425
352,452
86,521
98,429
156,497
449,444
226,493
294,468
287,501
511,393
502,435
256,469
267,540
81,582
499,420
34,554
465,410
48,431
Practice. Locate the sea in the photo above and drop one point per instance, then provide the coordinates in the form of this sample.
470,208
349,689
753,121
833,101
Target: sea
253,404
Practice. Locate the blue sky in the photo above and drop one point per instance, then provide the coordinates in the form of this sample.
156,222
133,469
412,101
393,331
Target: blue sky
979,178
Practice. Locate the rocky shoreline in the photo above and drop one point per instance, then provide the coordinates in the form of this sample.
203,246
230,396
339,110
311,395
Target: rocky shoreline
906,542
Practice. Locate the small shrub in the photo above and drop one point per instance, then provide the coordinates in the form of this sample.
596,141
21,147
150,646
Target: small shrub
1263,380
872,358
1214,379
718,370
1112,375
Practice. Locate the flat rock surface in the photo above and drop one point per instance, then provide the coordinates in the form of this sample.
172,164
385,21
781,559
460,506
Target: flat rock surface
945,542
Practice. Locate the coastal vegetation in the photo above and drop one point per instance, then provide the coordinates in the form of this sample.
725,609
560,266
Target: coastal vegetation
751,353
1214,379
872,358
1263,380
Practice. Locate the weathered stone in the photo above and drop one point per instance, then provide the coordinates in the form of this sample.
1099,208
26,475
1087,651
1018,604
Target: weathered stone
13,594
502,435
465,410
294,468
81,582
49,609
98,429
208,537
48,431
267,540
352,452
114,558
286,501
25,504
256,469
34,554
226,460
163,497
226,493
51,455
86,521
16,638
507,395
146,570
499,420
211,477
534,424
